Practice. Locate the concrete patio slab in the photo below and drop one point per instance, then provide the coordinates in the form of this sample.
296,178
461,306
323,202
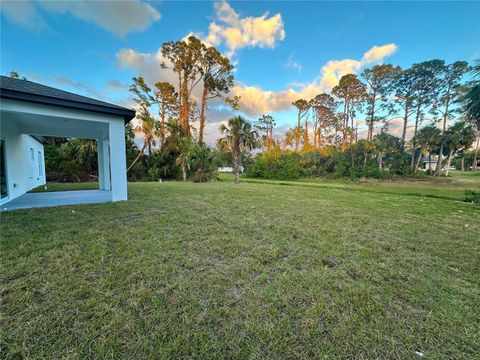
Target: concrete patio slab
57,198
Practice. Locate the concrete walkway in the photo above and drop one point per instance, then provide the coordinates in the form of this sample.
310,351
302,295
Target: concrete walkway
57,198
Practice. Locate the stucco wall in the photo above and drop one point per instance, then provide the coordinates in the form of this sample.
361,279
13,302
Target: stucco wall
24,171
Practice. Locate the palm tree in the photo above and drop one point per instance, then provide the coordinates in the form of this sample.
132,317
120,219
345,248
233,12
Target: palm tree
148,128
386,144
427,137
459,136
239,136
471,106
186,147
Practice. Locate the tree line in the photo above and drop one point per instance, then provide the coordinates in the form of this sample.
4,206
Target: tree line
422,96
171,119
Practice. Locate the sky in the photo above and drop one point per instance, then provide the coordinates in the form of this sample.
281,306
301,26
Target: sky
281,50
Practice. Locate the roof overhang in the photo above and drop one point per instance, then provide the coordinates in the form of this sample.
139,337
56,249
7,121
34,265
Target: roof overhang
127,114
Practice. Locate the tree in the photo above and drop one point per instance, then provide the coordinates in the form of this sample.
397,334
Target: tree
448,94
14,75
471,106
289,137
184,58
165,97
302,106
267,123
379,84
426,81
148,128
186,149
404,87
427,138
351,91
323,106
239,136
386,144
458,137
217,81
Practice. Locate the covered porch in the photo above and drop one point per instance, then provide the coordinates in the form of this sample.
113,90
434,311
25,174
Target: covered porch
57,198
44,112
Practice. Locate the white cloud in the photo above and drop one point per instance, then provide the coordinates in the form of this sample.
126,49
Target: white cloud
377,53
23,13
118,17
256,101
236,32
129,57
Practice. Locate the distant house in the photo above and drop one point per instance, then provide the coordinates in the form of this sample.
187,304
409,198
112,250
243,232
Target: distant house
228,169
29,111
428,163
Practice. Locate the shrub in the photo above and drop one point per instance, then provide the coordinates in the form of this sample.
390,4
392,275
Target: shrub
472,197
276,164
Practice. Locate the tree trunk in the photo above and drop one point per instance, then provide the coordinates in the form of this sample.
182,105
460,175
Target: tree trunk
138,157
449,158
405,121
474,163
372,116
463,163
305,136
202,115
417,118
236,162
345,126
184,172
418,160
297,132
162,117
380,161
185,105
438,169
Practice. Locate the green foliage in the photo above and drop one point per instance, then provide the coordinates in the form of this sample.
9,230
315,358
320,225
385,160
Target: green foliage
472,197
71,160
276,165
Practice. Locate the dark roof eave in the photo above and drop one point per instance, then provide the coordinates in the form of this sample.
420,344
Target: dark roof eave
127,114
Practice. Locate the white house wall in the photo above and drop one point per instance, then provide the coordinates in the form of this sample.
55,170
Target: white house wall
46,120
23,172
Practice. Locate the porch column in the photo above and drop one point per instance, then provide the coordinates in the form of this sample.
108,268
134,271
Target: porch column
103,164
118,163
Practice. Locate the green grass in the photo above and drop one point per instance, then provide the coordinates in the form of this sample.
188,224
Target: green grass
50,187
451,188
246,271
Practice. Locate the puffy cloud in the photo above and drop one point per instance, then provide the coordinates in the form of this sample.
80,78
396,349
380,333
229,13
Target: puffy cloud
255,101
377,53
118,17
237,33
129,57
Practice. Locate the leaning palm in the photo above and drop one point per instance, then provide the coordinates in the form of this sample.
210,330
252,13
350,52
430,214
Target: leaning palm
148,128
186,148
239,136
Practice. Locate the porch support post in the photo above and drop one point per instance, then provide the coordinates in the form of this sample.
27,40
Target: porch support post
103,164
118,163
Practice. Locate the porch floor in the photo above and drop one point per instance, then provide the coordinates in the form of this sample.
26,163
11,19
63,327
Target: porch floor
57,198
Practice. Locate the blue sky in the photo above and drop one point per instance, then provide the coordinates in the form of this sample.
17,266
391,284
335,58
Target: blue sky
295,48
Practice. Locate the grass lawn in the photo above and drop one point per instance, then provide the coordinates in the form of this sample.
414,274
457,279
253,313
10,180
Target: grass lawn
51,187
218,270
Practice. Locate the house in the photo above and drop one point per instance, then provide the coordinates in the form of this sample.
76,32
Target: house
427,163
29,111
228,169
